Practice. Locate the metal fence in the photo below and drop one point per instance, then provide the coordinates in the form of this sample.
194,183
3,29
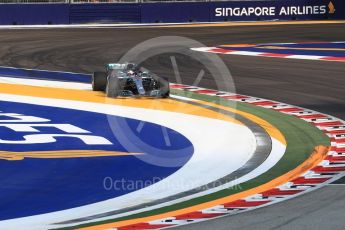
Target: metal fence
32,1
104,1
176,1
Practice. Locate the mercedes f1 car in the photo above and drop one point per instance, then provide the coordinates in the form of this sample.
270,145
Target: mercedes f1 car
128,79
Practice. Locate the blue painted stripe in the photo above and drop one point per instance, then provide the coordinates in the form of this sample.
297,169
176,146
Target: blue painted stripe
314,45
45,75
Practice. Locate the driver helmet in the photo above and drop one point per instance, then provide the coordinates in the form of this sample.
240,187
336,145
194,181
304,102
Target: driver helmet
131,73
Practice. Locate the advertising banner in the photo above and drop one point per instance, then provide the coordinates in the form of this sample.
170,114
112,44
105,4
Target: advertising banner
277,10
171,12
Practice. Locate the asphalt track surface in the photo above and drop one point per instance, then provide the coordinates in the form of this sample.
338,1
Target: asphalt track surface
317,85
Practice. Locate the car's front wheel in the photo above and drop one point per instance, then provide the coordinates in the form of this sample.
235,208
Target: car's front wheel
112,88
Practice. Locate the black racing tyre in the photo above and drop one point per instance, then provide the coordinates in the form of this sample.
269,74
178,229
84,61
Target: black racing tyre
166,94
112,87
99,81
164,87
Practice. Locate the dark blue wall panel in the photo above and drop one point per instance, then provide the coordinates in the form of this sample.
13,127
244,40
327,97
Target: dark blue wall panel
85,13
32,14
175,12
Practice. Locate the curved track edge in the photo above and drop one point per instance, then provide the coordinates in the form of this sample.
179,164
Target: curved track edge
323,167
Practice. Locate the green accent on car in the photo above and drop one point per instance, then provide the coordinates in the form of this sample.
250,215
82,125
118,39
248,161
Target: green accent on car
112,66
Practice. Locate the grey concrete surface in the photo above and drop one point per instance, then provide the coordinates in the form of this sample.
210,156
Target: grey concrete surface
318,210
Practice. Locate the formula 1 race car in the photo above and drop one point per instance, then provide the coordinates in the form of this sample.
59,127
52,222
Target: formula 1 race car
128,79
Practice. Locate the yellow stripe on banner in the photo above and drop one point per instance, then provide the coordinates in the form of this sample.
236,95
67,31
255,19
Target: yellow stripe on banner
315,158
5,155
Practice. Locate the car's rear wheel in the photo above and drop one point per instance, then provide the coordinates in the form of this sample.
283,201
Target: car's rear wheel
165,94
164,87
112,87
99,81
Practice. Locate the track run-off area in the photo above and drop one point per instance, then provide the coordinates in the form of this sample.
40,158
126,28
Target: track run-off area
74,159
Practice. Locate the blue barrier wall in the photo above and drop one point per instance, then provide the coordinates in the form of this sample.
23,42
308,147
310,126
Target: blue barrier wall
85,13
175,12
30,14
